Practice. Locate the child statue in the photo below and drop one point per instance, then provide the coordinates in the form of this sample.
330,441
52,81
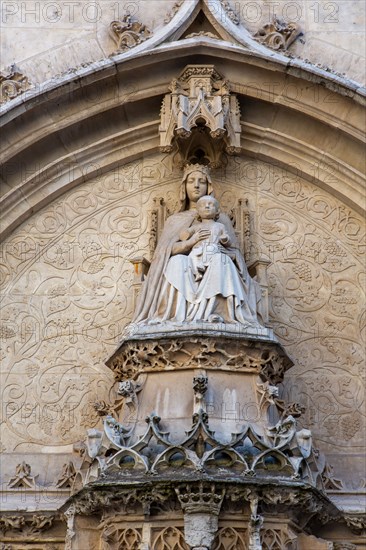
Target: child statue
208,212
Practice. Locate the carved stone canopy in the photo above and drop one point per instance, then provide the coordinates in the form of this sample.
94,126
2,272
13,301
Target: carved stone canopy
200,117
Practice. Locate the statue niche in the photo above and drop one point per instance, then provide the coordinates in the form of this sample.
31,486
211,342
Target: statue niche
198,273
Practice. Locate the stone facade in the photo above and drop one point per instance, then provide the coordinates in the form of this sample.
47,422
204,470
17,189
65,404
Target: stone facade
92,169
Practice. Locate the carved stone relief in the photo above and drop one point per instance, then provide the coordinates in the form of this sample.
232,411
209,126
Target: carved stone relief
66,277
67,477
135,357
55,329
113,538
12,83
231,14
277,34
200,103
170,538
173,11
228,538
128,33
22,477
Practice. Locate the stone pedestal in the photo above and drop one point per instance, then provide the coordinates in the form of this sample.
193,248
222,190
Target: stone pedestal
199,451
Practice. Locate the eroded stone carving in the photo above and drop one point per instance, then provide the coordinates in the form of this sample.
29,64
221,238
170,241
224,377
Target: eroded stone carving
200,98
138,356
228,538
173,11
170,538
330,482
200,386
12,83
23,477
255,525
128,33
201,506
27,524
128,539
70,521
234,17
277,34
66,480
202,33
356,522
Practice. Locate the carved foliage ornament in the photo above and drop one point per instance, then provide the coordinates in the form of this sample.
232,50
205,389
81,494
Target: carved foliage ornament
128,33
137,356
277,34
357,523
27,524
12,83
231,14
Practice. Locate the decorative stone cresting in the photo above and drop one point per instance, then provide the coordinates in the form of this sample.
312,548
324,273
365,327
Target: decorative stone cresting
128,33
277,34
12,83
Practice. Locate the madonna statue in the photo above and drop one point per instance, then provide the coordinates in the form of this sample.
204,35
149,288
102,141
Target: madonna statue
198,272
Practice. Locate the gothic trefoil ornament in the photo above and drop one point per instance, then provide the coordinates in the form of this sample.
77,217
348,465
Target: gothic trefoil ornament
200,99
278,34
128,33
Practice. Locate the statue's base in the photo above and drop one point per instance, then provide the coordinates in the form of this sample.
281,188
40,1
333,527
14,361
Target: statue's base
166,329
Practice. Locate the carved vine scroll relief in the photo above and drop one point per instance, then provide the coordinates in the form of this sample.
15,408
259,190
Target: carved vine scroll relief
66,277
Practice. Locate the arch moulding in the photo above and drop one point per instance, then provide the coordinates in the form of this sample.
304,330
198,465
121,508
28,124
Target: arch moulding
108,115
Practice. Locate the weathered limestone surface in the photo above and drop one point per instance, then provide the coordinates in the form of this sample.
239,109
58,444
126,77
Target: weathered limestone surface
54,38
85,196
69,265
